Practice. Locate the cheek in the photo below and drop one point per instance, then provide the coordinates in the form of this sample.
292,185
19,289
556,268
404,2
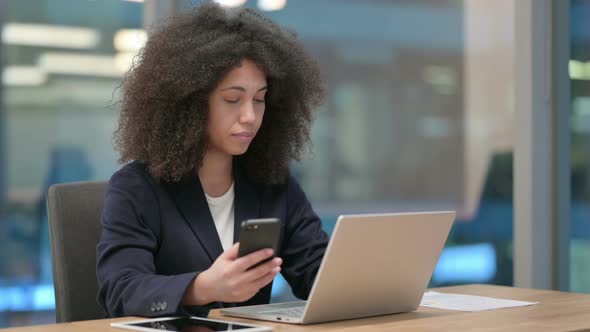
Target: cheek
219,129
260,117
219,119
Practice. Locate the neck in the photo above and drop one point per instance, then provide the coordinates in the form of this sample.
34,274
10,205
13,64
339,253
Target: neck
216,174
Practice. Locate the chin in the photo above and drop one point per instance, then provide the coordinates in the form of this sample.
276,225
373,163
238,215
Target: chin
238,151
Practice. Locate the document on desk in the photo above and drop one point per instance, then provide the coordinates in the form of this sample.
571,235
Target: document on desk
467,302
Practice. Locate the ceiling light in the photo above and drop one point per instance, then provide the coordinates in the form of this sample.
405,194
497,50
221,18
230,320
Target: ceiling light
130,40
579,70
230,3
80,64
23,76
271,5
49,35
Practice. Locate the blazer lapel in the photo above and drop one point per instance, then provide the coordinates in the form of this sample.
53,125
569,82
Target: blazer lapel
246,202
191,201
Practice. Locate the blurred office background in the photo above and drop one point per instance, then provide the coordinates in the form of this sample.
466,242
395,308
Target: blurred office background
419,116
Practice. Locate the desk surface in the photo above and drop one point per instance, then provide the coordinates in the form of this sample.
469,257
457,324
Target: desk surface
557,311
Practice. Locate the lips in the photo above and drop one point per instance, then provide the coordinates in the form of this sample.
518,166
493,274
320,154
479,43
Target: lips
245,137
244,134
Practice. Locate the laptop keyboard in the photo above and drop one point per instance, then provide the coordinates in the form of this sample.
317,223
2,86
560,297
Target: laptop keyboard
290,312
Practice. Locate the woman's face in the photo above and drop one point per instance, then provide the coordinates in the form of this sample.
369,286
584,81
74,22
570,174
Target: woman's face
236,108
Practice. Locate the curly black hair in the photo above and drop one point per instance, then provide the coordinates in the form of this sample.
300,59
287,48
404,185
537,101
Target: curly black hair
164,114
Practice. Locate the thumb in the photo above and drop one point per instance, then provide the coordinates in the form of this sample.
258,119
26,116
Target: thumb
232,253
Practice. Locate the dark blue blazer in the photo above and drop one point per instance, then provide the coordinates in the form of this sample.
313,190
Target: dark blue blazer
157,237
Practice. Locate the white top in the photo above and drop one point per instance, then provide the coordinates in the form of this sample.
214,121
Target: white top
222,211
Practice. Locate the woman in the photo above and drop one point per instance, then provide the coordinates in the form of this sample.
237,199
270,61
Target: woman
214,110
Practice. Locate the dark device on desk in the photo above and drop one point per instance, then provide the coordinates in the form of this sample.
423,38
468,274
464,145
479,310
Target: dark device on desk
257,234
188,324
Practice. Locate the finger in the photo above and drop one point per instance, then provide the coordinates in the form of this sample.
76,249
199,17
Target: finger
266,279
232,253
246,262
255,286
260,271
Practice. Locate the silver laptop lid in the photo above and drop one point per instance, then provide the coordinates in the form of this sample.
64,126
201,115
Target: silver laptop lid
377,264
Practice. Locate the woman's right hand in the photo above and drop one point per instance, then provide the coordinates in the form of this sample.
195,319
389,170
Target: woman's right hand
231,279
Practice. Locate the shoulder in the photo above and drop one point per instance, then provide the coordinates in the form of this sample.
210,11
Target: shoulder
132,174
134,182
131,202
289,193
132,194
292,185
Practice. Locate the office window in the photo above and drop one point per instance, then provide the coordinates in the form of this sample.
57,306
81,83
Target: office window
579,70
61,62
418,117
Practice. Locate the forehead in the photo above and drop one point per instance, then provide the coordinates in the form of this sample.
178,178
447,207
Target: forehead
246,73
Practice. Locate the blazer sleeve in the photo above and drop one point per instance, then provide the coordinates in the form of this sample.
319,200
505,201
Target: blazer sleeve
304,244
128,283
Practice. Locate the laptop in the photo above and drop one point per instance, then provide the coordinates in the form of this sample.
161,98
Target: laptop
375,264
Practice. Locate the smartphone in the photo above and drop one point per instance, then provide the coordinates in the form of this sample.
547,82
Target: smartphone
256,234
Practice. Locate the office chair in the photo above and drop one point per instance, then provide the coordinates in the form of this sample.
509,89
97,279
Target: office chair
67,163
74,229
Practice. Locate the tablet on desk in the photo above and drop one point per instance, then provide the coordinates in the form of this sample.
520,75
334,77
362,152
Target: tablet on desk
186,324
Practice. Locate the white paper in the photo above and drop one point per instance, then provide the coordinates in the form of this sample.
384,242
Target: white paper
468,302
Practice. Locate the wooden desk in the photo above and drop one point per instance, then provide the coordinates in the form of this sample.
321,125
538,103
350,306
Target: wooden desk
557,311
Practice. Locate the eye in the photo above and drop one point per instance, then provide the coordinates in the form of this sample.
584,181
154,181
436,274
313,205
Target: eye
232,101
259,101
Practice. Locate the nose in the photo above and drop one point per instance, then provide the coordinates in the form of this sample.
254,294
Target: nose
247,113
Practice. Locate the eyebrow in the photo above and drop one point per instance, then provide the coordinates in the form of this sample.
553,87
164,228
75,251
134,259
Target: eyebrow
239,88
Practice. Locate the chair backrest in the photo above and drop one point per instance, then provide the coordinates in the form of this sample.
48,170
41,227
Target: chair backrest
74,226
